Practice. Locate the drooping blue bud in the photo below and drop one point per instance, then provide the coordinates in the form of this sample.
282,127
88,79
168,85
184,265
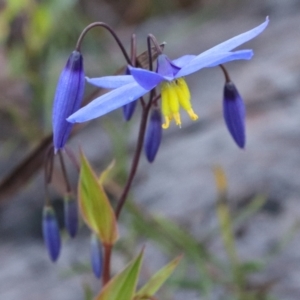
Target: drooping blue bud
71,215
128,110
96,255
153,135
68,98
51,232
234,113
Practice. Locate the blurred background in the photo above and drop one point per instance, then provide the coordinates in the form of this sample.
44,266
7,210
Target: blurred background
173,205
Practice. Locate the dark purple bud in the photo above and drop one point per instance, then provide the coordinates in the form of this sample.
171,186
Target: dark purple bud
153,135
68,97
71,215
128,110
96,255
51,232
234,113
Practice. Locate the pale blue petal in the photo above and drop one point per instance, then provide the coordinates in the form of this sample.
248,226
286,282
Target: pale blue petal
111,82
202,61
108,102
147,79
237,55
164,67
183,60
239,39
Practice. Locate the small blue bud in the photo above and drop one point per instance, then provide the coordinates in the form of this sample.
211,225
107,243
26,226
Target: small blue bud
96,255
234,113
51,233
68,98
153,135
71,215
128,110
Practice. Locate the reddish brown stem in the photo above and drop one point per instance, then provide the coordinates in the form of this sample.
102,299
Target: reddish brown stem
226,74
106,267
136,159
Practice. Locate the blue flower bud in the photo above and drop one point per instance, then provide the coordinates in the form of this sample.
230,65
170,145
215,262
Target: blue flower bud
128,110
234,113
71,215
51,233
153,135
68,97
96,255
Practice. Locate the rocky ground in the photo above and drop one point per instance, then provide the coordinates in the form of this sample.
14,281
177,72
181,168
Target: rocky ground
180,183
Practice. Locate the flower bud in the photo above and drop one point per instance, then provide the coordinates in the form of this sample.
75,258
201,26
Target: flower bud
153,135
234,113
71,215
128,110
68,97
51,232
96,255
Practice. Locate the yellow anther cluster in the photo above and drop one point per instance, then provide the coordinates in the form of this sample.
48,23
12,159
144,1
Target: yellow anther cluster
175,94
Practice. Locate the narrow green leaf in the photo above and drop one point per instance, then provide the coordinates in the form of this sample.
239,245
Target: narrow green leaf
104,175
94,205
157,280
220,179
88,293
123,285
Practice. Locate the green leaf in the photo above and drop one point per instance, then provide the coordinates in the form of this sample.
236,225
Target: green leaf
94,205
252,266
105,174
88,293
157,280
123,285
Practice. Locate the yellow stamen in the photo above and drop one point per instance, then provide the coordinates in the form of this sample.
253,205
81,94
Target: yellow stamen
175,94
177,119
192,115
183,93
184,97
167,123
165,107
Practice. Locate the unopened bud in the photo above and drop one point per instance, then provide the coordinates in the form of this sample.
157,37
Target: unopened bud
51,233
234,113
153,135
96,255
71,215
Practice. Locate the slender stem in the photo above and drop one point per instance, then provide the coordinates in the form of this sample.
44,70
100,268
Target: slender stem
106,267
48,170
135,160
64,172
134,60
49,165
72,158
110,30
149,54
151,38
226,74
133,50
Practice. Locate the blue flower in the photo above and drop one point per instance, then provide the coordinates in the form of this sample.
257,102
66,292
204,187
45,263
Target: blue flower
68,97
51,232
153,135
174,90
234,113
